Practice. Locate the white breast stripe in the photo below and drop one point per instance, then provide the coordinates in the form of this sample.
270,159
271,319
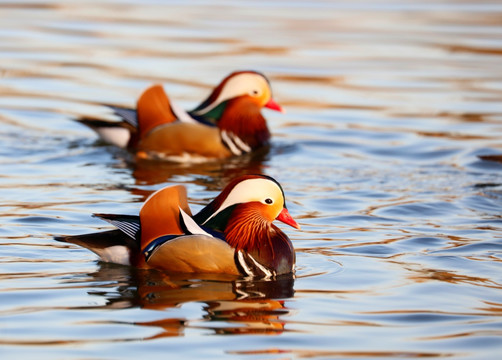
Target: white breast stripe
226,139
181,114
237,140
192,226
243,264
267,272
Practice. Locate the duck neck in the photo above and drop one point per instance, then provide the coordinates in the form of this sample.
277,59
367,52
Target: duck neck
247,230
242,118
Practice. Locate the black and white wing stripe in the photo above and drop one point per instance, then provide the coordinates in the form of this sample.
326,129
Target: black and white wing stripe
128,115
234,143
128,224
250,267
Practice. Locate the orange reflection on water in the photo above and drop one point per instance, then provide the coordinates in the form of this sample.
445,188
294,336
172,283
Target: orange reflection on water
312,354
148,172
231,305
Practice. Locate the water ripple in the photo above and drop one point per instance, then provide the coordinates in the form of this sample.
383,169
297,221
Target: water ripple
389,156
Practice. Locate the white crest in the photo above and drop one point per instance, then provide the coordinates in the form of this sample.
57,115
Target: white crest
252,190
241,84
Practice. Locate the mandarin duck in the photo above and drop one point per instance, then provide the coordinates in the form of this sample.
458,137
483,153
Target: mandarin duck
227,123
233,234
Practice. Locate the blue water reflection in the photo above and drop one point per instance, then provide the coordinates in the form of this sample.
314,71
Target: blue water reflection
389,155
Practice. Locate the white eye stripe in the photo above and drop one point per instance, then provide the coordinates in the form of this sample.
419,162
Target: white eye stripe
236,86
250,190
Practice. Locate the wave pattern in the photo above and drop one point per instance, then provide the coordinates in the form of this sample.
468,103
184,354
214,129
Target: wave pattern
389,156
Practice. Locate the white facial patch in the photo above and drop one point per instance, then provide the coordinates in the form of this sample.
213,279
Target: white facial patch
238,85
251,190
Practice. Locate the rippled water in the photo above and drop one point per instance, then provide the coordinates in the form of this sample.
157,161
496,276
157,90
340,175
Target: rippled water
389,106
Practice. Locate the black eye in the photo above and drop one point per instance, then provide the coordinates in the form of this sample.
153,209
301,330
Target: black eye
269,201
255,92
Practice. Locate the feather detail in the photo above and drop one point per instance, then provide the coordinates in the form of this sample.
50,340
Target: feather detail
243,119
212,100
233,234
210,209
129,116
112,246
190,226
246,228
277,252
117,133
193,253
128,224
248,266
264,243
160,214
262,249
181,138
181,114
153,110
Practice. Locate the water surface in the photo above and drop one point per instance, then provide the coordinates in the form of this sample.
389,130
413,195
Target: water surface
390,105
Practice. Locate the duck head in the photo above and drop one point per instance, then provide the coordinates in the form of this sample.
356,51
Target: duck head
252,87
245,210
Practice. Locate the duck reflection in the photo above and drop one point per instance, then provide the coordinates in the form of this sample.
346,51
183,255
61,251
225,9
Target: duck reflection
151,172
232,305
